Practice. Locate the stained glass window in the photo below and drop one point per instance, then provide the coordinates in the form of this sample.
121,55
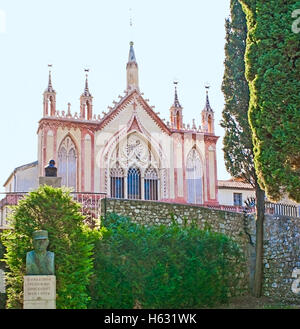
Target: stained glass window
117,183
151,184
134,183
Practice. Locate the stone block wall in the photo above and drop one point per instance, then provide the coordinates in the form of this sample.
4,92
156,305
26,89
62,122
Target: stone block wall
281,246
155,213
281,257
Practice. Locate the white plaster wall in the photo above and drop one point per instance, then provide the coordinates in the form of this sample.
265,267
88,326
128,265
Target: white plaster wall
27,179
9,186
226,195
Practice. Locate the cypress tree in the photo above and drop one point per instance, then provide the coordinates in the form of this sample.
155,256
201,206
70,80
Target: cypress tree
273,73
238,146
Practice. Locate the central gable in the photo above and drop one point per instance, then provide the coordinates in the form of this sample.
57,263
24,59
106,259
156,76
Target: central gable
133,111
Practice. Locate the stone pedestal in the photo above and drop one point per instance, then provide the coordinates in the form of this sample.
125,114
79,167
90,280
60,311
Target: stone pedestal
39,292
2,282
52,181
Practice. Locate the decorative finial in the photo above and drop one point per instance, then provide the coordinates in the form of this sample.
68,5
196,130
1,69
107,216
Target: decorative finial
131,57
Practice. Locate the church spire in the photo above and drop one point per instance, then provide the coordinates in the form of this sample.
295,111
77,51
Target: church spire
207,105
50,88
132,70
208,115
176,111
86,89
49,97
176,102
86,101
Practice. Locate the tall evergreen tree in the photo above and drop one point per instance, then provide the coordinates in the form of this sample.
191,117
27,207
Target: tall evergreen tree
238,147
272,70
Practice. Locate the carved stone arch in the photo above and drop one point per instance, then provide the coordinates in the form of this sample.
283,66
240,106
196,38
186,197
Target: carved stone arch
68,134
134,149
118,143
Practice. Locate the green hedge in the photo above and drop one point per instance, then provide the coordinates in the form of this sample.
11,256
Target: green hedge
54,210
161,266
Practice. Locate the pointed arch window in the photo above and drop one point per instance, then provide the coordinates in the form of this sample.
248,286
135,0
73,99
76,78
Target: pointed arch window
134,183
67,163
194,174
117,182
151,184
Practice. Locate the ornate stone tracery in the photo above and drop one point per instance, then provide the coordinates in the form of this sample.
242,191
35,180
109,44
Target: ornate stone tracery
134,151
194,176
67,162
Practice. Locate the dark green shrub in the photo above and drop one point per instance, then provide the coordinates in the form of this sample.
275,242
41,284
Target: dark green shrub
161,266
54,210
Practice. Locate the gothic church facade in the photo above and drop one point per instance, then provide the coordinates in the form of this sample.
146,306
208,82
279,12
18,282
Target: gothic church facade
130,152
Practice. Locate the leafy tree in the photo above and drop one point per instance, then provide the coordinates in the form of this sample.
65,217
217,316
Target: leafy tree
54,210
272,70
238,146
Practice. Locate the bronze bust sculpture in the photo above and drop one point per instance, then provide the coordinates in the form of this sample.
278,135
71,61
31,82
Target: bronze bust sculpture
51,170
40,261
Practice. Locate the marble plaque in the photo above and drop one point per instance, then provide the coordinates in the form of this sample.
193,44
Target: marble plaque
39,291
2,282
39,304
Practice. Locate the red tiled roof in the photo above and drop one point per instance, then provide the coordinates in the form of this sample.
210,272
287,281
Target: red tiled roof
230,183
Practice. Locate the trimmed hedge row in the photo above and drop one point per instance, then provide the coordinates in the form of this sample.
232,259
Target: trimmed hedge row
161,266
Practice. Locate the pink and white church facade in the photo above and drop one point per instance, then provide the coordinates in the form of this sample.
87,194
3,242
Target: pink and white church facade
130,152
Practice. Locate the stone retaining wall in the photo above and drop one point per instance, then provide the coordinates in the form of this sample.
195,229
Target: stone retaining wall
282,238
281,257
151,213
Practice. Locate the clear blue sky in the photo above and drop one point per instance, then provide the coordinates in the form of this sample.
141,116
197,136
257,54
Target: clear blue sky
172,39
